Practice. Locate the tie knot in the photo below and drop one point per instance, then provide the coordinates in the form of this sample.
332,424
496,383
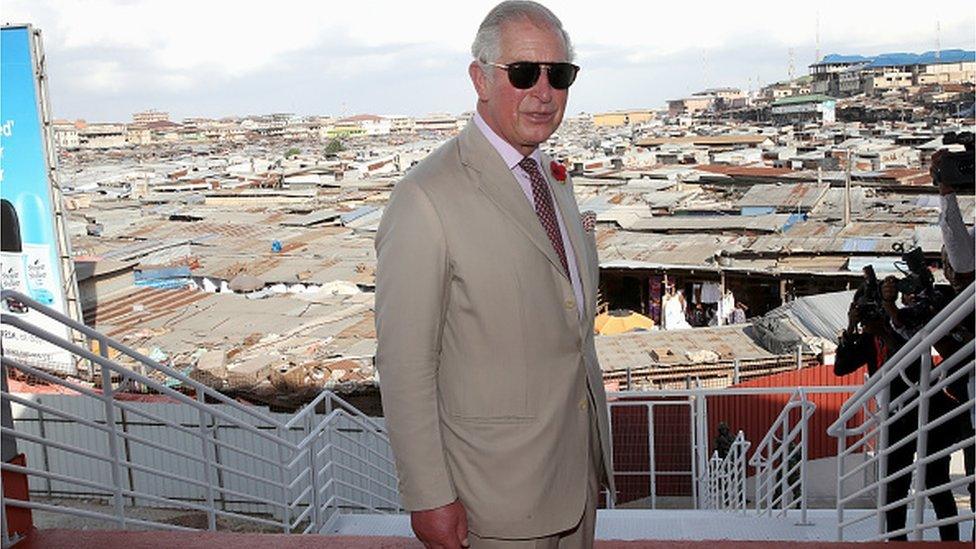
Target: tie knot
529,165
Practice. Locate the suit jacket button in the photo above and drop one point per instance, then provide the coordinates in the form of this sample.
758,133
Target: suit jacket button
583,405
570,304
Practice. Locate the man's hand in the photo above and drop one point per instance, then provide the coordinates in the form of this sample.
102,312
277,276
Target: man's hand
442,527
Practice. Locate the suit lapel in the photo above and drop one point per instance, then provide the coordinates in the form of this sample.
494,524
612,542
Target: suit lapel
498,182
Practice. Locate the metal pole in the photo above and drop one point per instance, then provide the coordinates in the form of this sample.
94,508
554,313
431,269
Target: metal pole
650,445
841,454
610,497
784,460
313,474
44,452
735,371
128,454
921,444
804,456
207,462
284,495
882,456
847,191
215,429
108,396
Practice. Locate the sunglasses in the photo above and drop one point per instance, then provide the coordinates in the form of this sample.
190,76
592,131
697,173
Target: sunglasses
524,74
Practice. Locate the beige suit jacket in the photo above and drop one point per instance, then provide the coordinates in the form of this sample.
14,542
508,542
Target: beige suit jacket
487,374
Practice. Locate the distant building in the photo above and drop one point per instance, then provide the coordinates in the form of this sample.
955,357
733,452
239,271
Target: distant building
845,75
66,135
361,124
152,115
436,123
690,105
400,124
102,136
622,118
829,73
804,108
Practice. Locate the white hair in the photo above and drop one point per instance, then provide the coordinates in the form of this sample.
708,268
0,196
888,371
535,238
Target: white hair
487,43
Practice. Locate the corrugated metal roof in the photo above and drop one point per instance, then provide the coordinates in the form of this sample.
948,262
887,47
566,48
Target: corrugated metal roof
632,350
790,196
817,316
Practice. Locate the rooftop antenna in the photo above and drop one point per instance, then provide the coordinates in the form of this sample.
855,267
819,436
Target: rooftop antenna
938,40
791,69
705,68
817,54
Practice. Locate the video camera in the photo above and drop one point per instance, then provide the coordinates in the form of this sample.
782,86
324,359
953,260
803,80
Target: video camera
955,169
917,282
918,278
867,298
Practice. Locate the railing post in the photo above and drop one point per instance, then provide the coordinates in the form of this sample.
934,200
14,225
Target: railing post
108,397
882,456
921,444
207,462
283,493
841,455
735,371
784,466
313,473
610,497
804,455
44,451
215,428
650,445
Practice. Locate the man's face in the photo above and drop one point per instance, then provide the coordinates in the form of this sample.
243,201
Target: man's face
523,118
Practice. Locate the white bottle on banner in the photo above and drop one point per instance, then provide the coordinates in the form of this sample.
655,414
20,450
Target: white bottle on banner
40,275
13,277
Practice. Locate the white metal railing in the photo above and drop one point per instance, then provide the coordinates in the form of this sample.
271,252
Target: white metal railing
299,475
725,477
872,427
781,460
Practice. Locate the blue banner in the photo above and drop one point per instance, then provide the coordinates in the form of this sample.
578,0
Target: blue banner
32,265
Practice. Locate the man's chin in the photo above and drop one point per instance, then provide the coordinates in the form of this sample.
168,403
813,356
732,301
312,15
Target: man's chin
537,136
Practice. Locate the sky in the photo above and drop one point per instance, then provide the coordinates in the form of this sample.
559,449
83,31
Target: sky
107,59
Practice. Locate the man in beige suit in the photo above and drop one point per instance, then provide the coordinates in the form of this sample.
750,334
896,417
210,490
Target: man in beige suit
485,295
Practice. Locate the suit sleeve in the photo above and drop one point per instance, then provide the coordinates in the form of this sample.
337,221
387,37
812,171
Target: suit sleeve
412,277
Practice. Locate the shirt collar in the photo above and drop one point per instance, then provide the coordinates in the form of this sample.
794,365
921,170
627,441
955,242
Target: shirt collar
509,154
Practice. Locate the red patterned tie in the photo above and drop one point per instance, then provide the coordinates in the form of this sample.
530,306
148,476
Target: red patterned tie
545,209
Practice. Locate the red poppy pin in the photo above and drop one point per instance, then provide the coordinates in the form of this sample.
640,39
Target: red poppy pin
558,171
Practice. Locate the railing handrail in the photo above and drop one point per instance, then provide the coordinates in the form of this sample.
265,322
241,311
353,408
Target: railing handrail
943,322
365,421
324,439
124,349
808,407
729,391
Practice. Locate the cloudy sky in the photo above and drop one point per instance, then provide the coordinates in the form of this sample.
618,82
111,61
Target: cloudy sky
110,58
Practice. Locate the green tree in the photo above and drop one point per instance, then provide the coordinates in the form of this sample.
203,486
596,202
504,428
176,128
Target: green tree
334,147
294,151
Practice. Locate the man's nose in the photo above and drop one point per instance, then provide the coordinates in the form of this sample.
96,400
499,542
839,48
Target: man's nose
542,88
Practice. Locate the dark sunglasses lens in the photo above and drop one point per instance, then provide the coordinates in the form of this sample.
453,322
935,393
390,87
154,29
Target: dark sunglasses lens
562,75
523,75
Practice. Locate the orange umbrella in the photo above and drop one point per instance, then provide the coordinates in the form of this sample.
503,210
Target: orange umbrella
621,321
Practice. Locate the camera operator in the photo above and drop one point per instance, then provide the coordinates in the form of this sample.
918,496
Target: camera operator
952,172
958,239
870,340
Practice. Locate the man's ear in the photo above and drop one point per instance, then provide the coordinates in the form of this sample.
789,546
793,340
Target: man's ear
479,79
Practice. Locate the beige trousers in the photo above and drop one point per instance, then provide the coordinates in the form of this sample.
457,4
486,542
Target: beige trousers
579,537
